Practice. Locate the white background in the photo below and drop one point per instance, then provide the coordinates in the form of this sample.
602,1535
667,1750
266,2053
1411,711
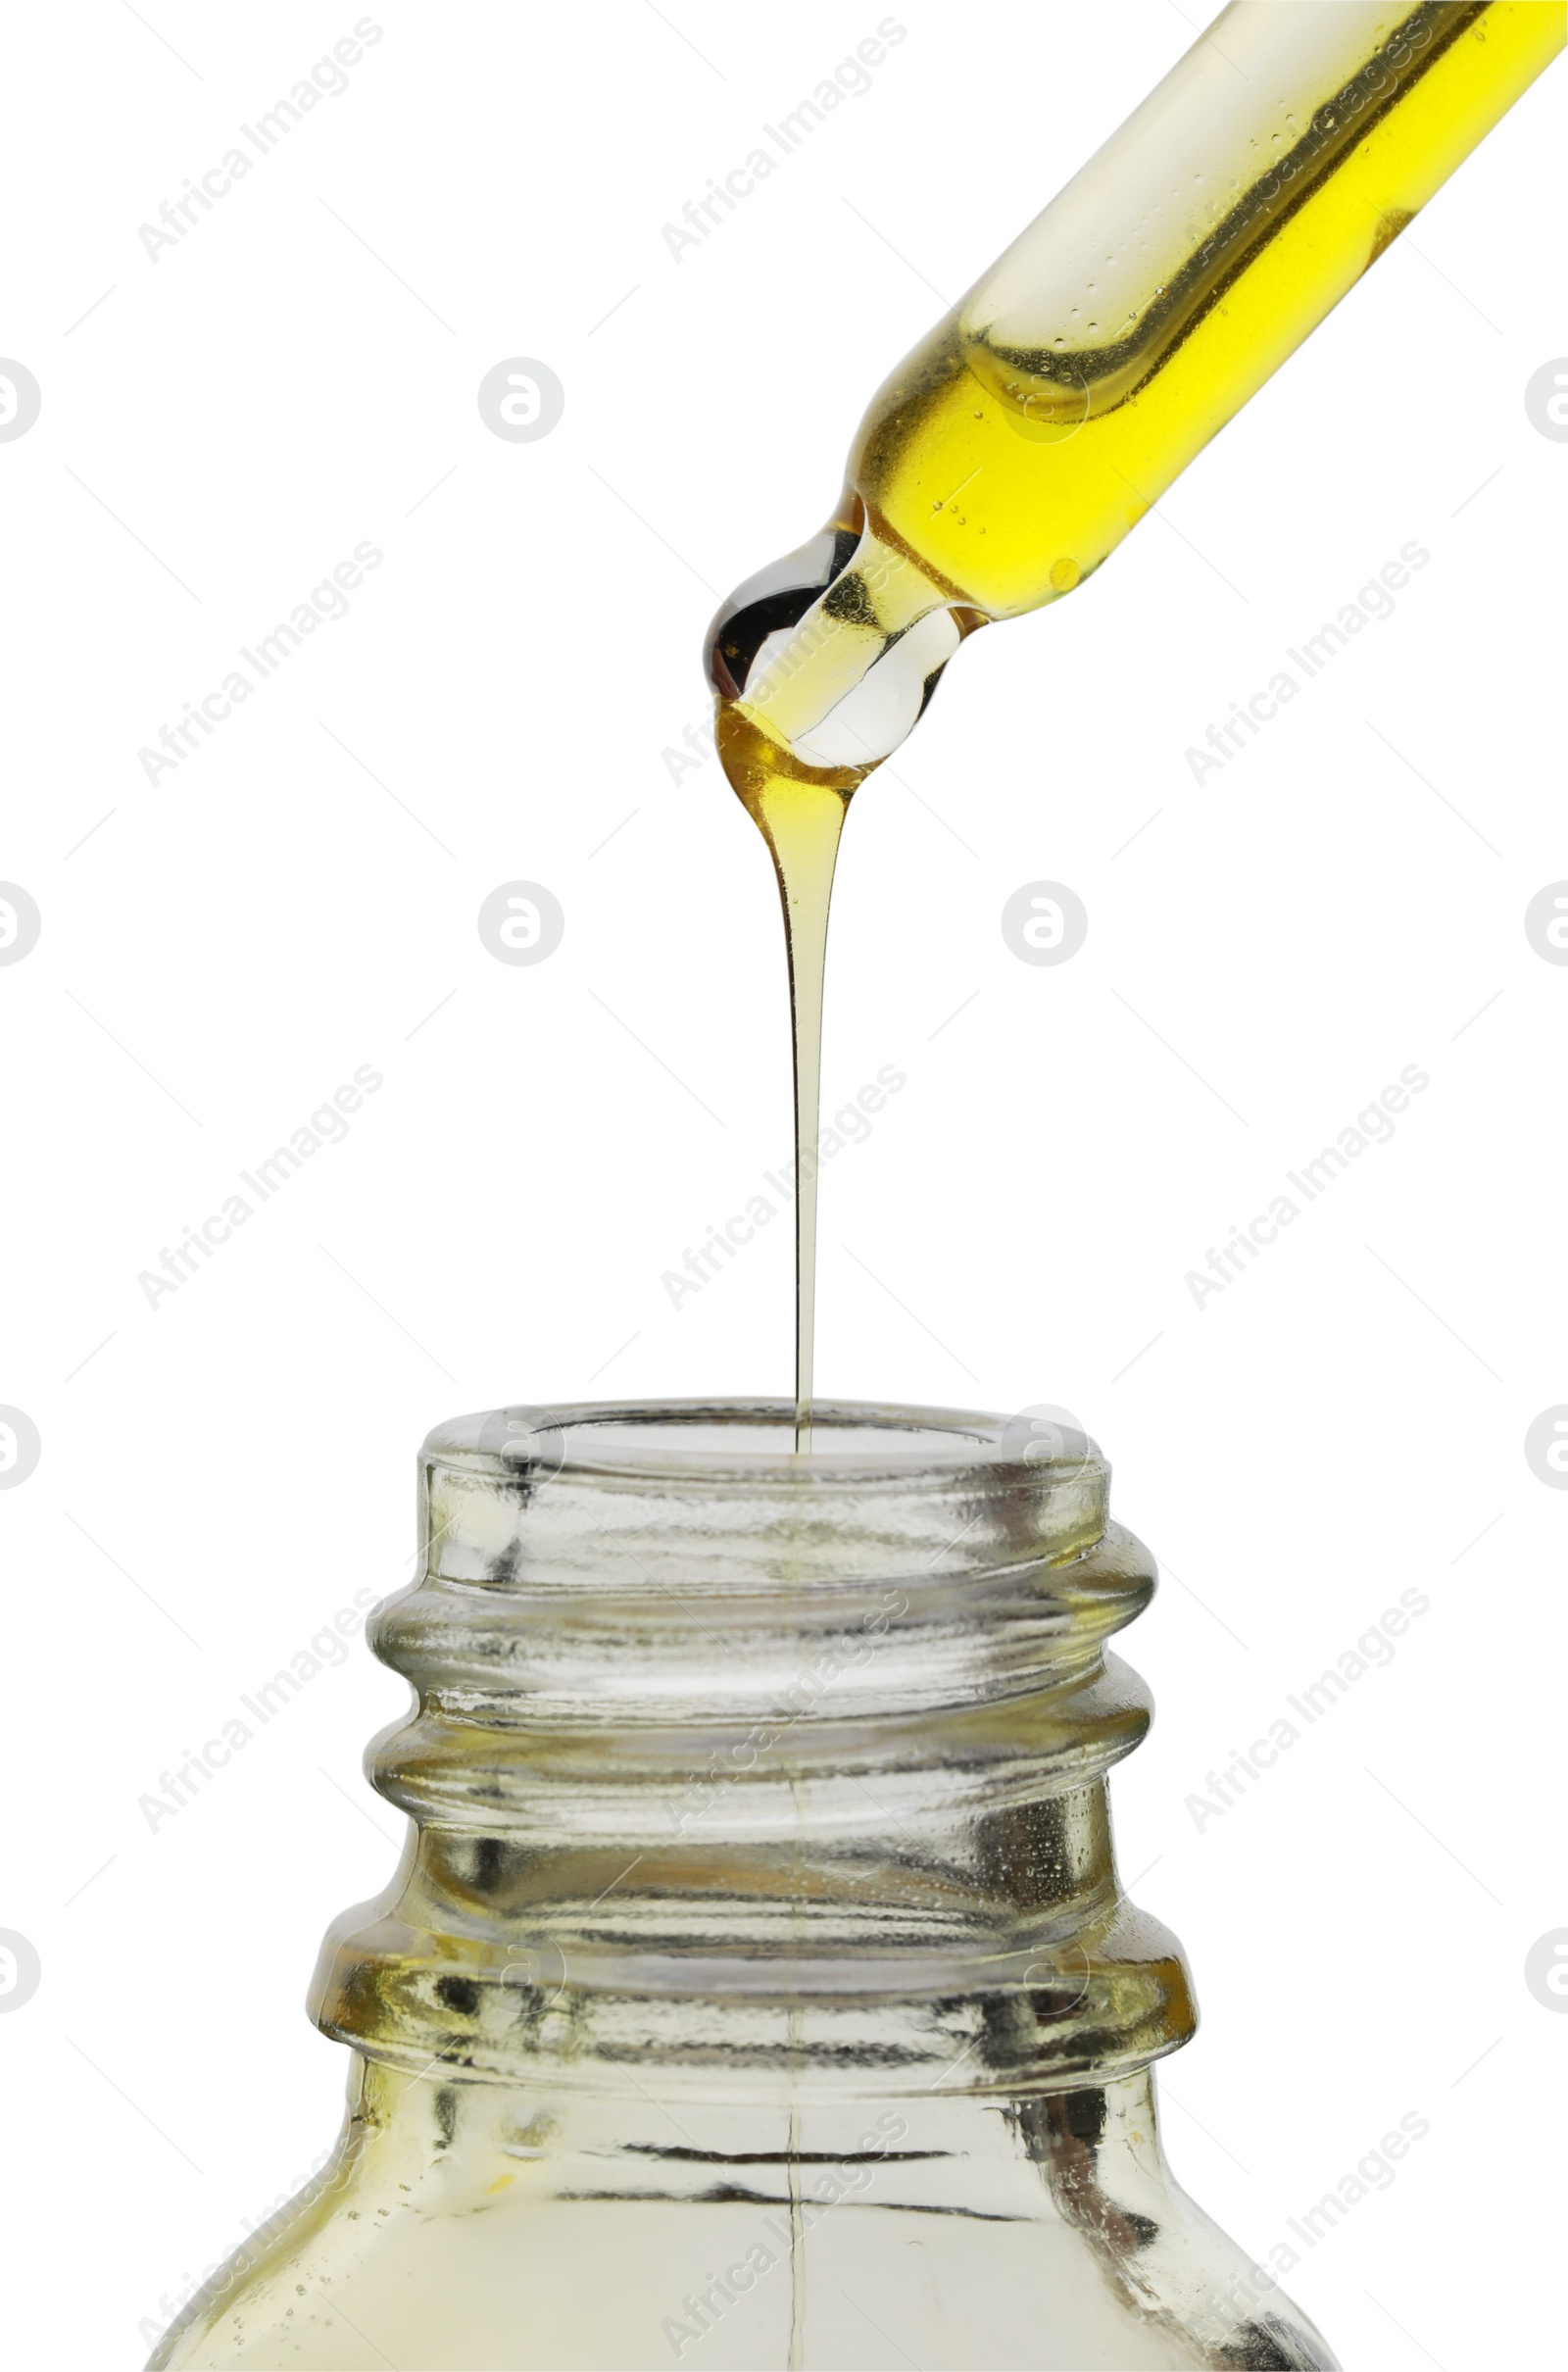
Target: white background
222,947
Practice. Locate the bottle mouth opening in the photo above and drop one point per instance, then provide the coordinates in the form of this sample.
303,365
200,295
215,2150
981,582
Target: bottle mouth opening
739,1440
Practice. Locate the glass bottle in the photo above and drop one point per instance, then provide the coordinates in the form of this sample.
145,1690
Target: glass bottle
756,1988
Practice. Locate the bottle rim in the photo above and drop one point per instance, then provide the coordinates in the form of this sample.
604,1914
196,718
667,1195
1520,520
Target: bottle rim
724,1440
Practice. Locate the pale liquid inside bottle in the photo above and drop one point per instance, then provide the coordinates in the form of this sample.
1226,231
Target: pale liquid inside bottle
759,1988
855,2067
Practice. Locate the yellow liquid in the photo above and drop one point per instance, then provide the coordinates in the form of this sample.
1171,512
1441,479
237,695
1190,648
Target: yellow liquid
800,815
992,475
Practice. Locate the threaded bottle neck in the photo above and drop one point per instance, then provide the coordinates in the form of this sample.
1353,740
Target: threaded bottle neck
711,1741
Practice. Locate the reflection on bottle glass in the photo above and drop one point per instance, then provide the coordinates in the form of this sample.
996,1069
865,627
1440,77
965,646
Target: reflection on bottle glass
758,1988
758,1979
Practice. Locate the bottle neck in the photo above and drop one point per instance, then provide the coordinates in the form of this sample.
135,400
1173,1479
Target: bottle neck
743,1778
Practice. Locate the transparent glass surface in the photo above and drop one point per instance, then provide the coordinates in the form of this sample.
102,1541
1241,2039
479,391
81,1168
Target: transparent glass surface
1010,451
756,1988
